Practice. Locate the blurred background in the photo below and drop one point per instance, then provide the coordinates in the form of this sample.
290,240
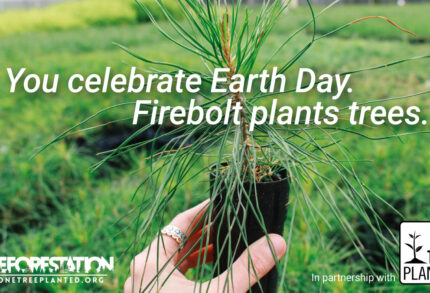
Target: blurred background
54,205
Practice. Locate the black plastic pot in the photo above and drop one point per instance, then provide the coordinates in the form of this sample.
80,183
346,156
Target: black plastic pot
271,199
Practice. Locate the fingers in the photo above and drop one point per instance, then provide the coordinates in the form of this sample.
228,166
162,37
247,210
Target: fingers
128,286
201,237
198,243
196,258
151,263
187,222
248,269
160,260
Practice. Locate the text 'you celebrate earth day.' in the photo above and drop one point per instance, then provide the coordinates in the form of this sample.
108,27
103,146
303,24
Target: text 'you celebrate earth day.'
234,88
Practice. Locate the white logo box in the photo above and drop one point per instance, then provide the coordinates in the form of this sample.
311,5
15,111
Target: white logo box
415,253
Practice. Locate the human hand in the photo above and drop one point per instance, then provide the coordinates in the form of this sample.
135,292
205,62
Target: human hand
168,264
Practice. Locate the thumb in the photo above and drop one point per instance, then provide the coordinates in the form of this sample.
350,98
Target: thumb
252,265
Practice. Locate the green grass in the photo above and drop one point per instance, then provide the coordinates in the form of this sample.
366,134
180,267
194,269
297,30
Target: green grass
410,17
87,13
79,14
52,205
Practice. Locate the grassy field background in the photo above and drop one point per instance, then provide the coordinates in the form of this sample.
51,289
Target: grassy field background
53,204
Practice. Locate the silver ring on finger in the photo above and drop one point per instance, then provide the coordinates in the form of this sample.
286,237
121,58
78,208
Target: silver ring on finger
175,233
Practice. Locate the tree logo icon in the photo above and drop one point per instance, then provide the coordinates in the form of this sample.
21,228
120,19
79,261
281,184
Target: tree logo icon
415,249
414,258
